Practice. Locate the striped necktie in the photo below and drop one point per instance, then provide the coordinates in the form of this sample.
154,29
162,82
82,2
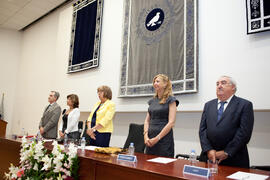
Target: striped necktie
221,109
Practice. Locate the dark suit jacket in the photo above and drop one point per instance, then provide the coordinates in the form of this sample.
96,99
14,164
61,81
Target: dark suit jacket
231,133
49,121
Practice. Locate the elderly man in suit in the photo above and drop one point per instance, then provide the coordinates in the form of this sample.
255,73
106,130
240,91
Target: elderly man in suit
226,126
48,125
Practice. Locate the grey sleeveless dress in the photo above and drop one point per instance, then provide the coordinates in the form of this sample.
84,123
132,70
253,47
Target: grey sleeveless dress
159,114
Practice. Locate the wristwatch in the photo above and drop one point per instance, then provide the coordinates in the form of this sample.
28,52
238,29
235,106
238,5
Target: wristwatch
94,130
226,154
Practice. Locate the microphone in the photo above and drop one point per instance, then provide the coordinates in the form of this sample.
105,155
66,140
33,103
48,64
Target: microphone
64,110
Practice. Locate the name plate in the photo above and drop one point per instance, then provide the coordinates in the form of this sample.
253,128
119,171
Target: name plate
196,171
125,157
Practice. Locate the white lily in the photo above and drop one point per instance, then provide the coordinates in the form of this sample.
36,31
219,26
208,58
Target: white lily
47,162
13,171
35,167
58,165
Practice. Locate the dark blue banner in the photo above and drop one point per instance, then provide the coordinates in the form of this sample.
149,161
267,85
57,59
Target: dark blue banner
85,36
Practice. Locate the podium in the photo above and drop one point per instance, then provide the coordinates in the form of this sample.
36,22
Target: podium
3,125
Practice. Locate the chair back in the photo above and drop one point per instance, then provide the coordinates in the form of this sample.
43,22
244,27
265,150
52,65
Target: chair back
80,128
80,125
135,135
84,134
264,168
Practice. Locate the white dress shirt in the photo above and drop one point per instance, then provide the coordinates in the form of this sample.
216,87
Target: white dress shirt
226,104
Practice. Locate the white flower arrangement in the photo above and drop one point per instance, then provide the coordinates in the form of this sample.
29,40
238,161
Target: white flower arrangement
36,163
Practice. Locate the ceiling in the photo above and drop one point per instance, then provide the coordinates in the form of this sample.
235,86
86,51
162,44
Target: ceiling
17,14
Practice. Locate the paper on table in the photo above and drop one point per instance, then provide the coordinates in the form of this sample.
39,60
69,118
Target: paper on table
162,160
247,176
92,148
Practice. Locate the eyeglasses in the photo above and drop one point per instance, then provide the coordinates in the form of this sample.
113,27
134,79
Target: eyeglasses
223,83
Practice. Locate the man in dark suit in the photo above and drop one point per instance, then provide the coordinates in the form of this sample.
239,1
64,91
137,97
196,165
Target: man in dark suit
226,126
48,125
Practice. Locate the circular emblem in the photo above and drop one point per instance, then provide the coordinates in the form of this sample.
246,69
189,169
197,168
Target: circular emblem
154,22
154,19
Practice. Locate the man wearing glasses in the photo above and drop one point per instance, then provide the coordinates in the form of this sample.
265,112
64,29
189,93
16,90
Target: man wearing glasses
226,126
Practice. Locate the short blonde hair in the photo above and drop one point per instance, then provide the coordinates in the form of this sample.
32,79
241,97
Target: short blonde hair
106,90
167,90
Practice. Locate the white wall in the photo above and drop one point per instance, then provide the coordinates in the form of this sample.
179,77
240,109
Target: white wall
37,73
224,48
10,49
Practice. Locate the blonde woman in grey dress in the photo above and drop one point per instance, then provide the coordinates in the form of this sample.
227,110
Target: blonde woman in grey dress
160,119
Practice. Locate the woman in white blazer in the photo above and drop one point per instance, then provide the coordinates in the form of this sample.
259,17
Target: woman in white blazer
70,118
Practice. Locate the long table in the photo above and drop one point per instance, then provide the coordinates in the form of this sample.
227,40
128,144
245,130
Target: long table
104,166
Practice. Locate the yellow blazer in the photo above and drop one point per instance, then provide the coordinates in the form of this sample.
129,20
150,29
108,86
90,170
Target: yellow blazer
105,115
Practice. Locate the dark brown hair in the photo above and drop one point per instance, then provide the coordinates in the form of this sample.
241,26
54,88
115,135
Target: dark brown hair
74,99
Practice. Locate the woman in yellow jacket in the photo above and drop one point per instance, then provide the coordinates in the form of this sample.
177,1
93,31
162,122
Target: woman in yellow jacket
100,121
